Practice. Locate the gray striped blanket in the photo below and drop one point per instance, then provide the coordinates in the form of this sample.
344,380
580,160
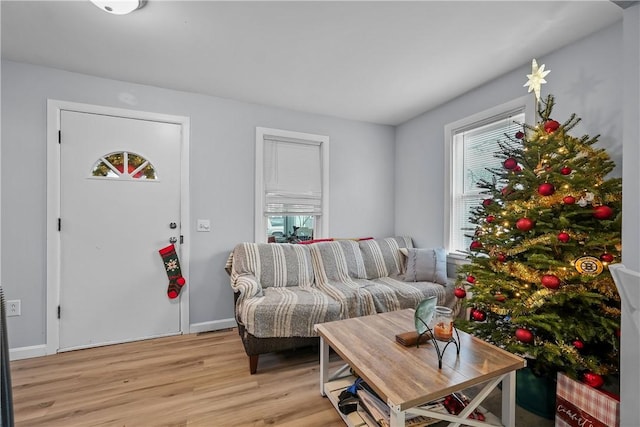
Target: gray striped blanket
285,289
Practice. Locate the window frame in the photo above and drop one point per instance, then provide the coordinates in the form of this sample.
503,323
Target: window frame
321,223
525,104
137,174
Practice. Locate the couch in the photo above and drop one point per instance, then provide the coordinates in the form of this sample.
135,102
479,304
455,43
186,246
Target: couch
282,290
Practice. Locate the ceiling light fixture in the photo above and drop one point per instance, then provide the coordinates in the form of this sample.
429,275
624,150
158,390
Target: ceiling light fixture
119,7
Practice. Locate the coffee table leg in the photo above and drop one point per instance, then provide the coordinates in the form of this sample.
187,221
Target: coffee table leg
324,364
397,417
509,400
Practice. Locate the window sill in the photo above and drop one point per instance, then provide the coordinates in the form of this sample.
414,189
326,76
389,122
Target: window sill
457,258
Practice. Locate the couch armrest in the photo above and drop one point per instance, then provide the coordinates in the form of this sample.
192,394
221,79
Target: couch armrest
244,285
228,266
247,285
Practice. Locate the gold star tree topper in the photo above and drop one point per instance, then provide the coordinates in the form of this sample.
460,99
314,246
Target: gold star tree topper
536,78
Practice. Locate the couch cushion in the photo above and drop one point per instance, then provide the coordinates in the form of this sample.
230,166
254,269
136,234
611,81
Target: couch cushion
287,312
425,265
277,265
382,257
338,260
409,294
363,297
354,296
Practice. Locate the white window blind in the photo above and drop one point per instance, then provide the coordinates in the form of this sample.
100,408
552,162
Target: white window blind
474,148
292,176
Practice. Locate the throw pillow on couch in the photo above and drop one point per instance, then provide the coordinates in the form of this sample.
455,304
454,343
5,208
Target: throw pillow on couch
425,265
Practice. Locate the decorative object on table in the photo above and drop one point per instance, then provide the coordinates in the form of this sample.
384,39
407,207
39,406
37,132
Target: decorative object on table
542,252
579,405
410,338
436,322
424,314
443,323
172,266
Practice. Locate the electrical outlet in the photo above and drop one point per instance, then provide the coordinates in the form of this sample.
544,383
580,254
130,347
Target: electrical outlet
13,307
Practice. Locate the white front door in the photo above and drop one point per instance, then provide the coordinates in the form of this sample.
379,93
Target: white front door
116,212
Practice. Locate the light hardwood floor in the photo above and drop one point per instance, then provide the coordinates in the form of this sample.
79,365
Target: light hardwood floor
188,380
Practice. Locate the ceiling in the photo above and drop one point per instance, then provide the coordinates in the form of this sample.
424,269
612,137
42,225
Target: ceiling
382,62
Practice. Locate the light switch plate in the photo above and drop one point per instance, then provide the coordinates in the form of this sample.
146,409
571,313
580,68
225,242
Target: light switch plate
203,225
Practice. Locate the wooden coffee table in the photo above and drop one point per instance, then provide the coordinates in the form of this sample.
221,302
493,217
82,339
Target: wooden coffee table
408,377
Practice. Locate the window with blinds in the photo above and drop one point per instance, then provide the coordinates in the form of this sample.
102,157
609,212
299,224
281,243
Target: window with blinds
292,176
472,145
291,185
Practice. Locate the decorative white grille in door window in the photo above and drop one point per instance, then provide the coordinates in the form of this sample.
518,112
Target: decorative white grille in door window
124,165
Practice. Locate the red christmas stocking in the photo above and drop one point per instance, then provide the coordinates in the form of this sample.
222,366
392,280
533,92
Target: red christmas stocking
172,265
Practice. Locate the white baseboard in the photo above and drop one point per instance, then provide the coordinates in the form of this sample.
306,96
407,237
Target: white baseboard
27,352
214,325
41,349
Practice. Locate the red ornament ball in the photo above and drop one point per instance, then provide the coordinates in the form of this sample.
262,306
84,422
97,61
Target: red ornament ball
510,163
475,245
550,281
491,218
517,169
525,224
546,189
592,379
506,191
460,293
579,345
602,212
519,134
606,257
524,335
551,126
565,170
487,202
471,279
569,200
564,237
500,297
501,257
478,315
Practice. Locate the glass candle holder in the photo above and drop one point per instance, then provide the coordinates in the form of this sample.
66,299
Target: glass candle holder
443,323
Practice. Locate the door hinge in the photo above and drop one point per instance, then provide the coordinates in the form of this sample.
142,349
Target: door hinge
181,239
59,224
59,137
58,312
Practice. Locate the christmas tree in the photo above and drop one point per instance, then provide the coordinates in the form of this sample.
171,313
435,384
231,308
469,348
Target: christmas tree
544,235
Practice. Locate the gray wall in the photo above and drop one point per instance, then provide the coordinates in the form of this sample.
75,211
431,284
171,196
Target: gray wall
221,180
585,79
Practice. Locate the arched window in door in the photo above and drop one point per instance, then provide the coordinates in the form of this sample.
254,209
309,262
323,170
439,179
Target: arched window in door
124,165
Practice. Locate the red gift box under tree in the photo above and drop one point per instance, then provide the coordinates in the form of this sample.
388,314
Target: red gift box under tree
580,405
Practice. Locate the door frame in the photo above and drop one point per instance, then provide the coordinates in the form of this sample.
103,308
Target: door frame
54,109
